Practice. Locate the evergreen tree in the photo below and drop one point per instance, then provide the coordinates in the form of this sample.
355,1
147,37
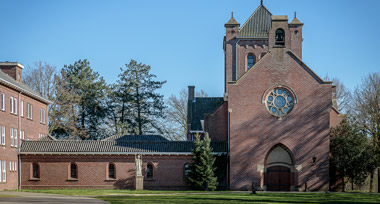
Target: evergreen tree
202,168
81,98
137,102
352,154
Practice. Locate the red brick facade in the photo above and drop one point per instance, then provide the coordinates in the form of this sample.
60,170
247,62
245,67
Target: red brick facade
18,121
168,171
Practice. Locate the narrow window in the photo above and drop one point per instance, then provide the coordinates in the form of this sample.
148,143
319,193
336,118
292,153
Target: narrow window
250,61
280,37
2,101
15,106
2,135
36,170
186,171
10,166
73,171
22,108
12,139
15,135
11,102
111,171
149,171
4,171
31,111
1,171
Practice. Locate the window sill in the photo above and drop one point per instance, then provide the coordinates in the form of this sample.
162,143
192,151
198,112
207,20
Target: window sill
34,179
110,179
72,179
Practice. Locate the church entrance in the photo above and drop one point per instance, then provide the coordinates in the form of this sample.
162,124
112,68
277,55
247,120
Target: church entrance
278,178
278,169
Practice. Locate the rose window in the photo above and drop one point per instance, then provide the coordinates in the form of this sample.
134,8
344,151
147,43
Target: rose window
279,102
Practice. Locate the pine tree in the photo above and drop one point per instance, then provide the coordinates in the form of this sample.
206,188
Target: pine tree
202,168
81,96
137,101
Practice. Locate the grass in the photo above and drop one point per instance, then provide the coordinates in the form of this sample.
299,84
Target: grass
99,192
282,198
8,196
184,197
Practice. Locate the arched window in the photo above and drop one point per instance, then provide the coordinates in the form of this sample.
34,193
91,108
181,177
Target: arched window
36,170
73,170
250,61
186,171
149,171
111,171
280,37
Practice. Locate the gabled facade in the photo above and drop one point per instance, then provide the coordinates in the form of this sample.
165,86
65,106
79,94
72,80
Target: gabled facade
276,112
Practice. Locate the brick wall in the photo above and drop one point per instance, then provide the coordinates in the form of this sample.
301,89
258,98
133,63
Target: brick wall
92,171
304,131
216,124
31,128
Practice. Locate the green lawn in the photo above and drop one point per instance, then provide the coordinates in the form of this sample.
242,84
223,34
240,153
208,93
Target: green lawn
248,198
131,196
99,192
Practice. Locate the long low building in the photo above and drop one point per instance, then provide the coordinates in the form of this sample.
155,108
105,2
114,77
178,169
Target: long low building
109,163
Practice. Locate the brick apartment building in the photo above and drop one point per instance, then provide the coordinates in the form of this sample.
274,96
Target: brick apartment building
271,127
23,116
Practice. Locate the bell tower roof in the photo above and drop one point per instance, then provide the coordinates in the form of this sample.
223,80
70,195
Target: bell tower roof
258,24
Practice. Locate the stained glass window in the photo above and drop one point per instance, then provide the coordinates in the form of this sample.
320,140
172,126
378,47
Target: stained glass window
280,102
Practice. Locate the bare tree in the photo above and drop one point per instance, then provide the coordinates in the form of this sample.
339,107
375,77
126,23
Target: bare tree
41,78
366,110
342,95
176,116
366,106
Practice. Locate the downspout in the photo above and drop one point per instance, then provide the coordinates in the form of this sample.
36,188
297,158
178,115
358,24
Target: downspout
228,153
19,140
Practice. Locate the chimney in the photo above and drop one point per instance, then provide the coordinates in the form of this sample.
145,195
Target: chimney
13,69
191,93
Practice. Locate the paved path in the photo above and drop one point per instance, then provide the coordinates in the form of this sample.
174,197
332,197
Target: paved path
25,197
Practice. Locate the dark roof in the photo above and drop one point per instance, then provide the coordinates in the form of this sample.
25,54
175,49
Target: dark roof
114,146
232,21
9,81
136,138
201,106
258,24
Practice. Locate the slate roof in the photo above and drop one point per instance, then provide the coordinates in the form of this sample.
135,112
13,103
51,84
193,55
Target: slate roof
136,138
258,24
9,81
201,106
113,146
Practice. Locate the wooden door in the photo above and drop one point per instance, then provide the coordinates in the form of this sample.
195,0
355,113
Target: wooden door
278,178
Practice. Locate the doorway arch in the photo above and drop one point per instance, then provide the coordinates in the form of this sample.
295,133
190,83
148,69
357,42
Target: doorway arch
279,168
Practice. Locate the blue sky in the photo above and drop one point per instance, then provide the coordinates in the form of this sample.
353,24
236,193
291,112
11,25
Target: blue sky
182,40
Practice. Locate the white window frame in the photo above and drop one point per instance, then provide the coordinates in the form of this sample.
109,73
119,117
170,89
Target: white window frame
11,102
4,171
2,136
12,139
15,136
22,108
15,106
2,104
16,166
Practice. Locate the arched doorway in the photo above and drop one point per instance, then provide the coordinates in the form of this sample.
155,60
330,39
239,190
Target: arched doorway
279,166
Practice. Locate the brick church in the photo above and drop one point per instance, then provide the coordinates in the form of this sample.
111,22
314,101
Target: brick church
270,128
